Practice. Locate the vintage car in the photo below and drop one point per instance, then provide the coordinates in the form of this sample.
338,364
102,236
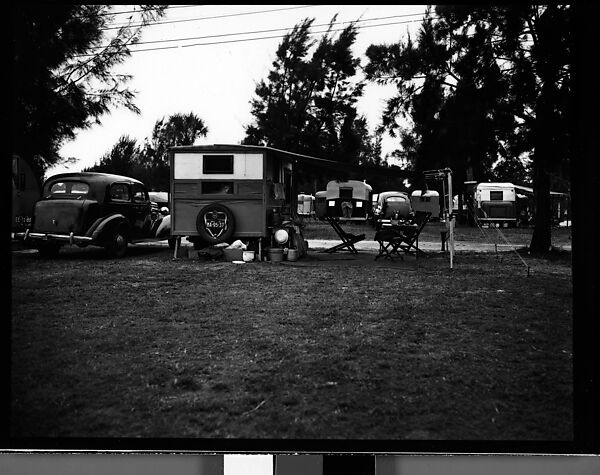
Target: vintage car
97,209
391,205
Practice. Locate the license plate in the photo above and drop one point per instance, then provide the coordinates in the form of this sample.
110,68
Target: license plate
215,224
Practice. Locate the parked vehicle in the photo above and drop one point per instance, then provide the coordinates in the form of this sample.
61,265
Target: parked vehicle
496,203
428,201
159,201
321,204
222,193
96,209
391,205
306,205
348,200
26,190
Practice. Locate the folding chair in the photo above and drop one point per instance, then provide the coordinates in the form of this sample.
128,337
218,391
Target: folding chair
348,239
408,239
388,243
402,238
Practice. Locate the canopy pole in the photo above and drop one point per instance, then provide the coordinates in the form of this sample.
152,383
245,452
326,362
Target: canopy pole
442,175
450,216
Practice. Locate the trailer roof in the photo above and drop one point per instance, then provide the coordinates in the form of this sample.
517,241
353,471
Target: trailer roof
296,157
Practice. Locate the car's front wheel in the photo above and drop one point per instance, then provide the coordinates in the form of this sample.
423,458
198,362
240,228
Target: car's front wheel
117,244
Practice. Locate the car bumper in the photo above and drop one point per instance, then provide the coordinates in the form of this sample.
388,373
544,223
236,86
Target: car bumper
50,237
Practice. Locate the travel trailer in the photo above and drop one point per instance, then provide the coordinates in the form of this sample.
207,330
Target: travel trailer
347,200
306,205
426,201
496,203
222,193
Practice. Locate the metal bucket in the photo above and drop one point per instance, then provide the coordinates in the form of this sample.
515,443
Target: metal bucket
275,254
292,255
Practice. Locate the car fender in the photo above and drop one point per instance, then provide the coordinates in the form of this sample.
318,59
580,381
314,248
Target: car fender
101,225
164,228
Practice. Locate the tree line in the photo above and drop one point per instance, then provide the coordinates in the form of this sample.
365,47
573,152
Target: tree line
484,90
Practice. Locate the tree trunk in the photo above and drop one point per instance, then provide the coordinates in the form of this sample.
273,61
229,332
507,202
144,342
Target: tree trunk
543,158
545,138
542,231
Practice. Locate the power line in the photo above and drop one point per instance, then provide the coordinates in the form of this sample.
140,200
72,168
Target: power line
170,7
253,39
264,37
265,31
244,39
207,17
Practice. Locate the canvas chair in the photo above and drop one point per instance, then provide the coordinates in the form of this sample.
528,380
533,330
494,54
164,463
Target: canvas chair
348,239
395,240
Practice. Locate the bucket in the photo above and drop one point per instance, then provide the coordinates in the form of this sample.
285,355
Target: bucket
233,254
248,256
292,255
275,254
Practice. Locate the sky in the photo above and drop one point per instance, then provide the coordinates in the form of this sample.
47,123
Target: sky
212,71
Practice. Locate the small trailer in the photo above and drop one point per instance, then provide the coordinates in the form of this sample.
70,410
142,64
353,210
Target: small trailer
426,201
496,203
306,205
347,200
321,204
222,193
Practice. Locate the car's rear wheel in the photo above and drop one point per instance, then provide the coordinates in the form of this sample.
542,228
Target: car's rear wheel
48,250
117,244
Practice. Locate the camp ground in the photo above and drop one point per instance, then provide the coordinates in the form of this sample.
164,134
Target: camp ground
331,346
427,329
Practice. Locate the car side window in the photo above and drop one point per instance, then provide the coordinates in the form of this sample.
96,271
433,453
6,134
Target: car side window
119,192
139,193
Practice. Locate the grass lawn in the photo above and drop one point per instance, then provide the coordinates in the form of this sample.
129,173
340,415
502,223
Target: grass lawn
329,347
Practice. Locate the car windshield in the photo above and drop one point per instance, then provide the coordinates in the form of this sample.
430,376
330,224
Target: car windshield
64,188
396,199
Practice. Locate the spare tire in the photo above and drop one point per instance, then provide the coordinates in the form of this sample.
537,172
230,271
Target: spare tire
215,223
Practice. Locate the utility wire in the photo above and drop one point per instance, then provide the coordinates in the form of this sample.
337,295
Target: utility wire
170,7
263,31
207,17
256,39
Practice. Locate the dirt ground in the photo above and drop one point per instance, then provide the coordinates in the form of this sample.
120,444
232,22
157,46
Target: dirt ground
333,346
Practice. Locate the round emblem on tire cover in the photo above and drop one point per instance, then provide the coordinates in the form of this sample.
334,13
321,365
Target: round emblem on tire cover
215,223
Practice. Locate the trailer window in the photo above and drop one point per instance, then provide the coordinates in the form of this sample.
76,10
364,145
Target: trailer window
217,187
346,193
496,195
216,164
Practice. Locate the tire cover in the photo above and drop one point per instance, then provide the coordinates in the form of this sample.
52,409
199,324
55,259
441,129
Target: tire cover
215,223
